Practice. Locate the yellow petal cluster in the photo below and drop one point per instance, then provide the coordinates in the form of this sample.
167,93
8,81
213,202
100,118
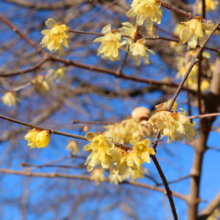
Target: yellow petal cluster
146,10
37,138
114,178
210,5
134,174
72,146
192,79
127,130
142,150
138,51
109,48
174,125
58,74
128,159
100,152
97,176
56,37
194,32
9,99
129,30
40,84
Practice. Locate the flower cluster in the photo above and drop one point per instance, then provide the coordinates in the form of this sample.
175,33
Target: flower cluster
37,138
111,44
175,125
56,37
127,130
105,154
192,79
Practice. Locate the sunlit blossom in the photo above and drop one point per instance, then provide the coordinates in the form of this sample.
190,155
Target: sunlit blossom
147,11
138,51
194,32
56,36
110,44
10,99
100,152
37,138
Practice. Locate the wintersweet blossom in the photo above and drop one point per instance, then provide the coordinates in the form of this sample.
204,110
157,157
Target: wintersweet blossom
72,146
58,74
146,10
110,44
37,138
134,174
40,84
56,37
97,176
194,31
115,178
139,50
142,150
128,159
100,151
210,5
127,130
9,99
174,125
174,107
129,30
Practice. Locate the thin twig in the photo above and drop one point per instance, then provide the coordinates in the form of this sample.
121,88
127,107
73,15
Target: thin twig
55,131
31,69
84,177
168,192
15,29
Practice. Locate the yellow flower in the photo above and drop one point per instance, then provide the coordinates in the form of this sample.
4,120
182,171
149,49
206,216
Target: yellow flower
177,29
174,125
205,54
97,176
9,99
58,74
40,84
192,80
127,130
56,37
115,178
215,215
37,138
194,31
129,30
142,150
146,10
174,105
110,44
100,152
139,50
133,174
128,159
72,146
210,5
